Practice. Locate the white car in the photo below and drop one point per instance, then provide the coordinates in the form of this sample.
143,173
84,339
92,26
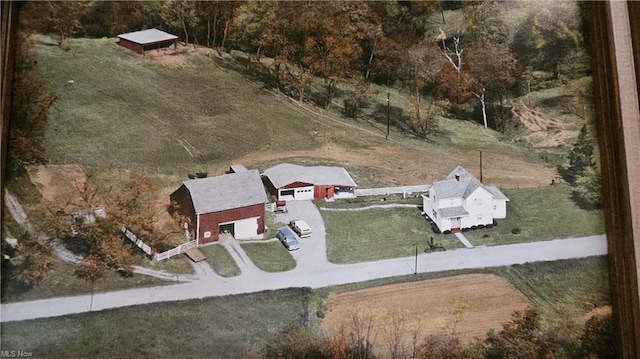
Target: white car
301,228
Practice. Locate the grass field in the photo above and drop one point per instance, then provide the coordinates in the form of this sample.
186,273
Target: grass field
374,234
537,213
220,260
211,328
61,281
121,112
269,256
540,214
225,327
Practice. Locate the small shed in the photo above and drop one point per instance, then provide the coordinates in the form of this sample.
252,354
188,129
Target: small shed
141,41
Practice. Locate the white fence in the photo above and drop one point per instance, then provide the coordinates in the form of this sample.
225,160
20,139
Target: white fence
158,256
405,190
175,251
138,242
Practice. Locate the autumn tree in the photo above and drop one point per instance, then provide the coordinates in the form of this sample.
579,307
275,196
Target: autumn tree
492,69
31,101
24,264
180,15
90,269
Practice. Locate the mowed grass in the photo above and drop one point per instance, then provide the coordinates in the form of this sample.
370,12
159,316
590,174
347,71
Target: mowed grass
369,234
537,214
222,327
124,113
377,233
561,290
220,260
61,281
269,256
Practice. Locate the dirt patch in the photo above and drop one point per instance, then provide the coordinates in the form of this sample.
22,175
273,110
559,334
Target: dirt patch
396,165
167,58
58,184
468,305
543,130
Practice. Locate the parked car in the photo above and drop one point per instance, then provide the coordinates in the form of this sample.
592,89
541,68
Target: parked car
288,239
301,228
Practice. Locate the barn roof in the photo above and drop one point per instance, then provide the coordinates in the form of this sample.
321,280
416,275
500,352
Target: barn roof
235,190
150,36
286,173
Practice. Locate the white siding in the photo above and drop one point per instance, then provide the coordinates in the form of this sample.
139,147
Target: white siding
245,228
499,209
479,204
299,194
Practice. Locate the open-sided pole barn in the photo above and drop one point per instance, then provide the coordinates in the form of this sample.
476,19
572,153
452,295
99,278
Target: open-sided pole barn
141,41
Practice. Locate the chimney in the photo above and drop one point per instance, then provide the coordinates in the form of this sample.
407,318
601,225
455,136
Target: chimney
457,177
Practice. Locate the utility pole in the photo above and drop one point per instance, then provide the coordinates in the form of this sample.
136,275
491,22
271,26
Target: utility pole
416,267
481,167
387,136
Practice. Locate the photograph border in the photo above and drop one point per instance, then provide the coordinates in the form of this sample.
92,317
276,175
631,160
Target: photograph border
614,33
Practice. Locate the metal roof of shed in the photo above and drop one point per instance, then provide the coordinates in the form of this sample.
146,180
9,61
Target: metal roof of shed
150,36
235,190
286,173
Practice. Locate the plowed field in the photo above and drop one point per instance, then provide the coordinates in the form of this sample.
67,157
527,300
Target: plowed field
468,305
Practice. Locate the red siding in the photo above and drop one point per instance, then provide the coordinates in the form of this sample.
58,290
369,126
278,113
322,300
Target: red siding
182,197
211,221
321,192
131,46
296,185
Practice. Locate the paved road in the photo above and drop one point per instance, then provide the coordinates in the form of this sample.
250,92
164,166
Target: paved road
312,270
322,276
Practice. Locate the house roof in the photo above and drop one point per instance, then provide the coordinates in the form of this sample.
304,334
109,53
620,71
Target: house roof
286,173
449,212
464,186
235,190
150,36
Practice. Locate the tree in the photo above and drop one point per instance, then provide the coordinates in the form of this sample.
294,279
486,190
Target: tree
31,100
251,20
493,69
521,337
545,33
484,23
581,156
64,18
597,338
180,15
588,187
90,269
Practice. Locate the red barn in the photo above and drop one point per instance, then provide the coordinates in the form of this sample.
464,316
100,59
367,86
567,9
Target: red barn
292,182
232,203
141,41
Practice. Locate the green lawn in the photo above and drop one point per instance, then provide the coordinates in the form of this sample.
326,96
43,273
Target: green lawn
540,214
61,281
374,234
220,260
562,289
269,256
210,328
123,113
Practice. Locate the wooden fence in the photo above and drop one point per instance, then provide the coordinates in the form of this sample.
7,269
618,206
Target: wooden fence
405,190
175,251
158,256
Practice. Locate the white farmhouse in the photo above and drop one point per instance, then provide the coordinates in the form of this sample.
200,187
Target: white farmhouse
461,201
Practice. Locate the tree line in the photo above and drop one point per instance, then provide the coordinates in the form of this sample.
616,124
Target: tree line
523,337
487,60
